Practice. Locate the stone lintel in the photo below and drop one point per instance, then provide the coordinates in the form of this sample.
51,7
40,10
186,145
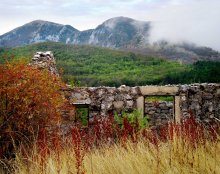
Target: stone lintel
159,90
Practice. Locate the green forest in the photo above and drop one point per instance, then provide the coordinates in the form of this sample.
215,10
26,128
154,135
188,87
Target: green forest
95,66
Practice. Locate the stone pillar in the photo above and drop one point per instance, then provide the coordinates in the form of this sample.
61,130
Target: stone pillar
140,105
177,111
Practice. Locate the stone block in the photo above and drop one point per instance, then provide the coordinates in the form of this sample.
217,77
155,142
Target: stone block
207,96
165,111
130,103
118,104
159,90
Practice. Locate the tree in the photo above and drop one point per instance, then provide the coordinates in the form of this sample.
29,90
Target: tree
29,99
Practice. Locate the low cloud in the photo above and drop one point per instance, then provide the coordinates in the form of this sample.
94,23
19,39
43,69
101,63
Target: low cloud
196,21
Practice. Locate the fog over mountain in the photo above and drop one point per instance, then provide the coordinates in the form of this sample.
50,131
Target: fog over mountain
197,22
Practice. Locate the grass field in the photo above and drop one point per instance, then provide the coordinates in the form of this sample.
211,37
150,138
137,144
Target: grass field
186,148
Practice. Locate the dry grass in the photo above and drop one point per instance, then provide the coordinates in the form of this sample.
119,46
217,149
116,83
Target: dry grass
108,149
175,156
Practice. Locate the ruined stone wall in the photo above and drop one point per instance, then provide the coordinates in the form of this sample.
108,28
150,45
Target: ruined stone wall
159,113
104,100
45,60
202,100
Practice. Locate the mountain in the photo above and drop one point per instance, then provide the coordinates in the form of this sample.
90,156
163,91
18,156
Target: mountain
113,33
119,33
37,31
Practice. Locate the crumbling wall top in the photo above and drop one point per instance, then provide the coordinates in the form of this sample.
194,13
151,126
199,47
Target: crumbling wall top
45,60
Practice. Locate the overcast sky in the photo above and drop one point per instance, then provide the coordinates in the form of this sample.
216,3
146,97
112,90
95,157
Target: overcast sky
176,20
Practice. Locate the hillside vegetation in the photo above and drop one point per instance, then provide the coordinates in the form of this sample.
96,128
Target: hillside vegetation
95,66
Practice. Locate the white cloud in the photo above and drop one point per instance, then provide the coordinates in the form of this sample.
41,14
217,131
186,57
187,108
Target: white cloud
196,21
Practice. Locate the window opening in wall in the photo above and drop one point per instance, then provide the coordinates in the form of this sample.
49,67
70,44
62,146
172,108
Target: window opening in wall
82,114
159,109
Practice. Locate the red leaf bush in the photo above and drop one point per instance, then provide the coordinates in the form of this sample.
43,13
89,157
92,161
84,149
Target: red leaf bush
29,100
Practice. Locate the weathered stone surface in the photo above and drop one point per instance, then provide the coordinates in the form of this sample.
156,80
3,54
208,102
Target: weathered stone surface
196,98
218,91
118,104
130,103
207,96
159,90
160,113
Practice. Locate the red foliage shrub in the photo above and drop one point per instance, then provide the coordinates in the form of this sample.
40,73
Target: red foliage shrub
29,99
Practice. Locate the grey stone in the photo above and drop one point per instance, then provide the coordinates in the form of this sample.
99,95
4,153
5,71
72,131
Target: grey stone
207,96
151,112
218,91
165,111
130,103
118,104
210,108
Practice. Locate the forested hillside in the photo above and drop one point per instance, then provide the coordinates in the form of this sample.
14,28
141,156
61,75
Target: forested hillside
95,66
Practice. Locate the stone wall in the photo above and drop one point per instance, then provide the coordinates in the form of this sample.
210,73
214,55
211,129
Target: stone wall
159,112
202,100
104,100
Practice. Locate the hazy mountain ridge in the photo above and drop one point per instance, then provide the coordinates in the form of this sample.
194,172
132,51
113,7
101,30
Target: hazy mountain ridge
118,33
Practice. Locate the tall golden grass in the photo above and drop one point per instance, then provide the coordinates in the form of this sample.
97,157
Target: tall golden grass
105,148
174,156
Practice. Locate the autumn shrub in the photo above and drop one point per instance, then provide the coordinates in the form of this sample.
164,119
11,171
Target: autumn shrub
29,101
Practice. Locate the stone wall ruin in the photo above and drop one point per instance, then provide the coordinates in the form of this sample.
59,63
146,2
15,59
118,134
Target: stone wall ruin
160,112
202,100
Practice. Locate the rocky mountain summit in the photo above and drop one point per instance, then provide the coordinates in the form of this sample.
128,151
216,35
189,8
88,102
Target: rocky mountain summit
37,31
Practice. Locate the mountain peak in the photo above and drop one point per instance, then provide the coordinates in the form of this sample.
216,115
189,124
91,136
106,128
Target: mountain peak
42,22
112,22
38,31
120,18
